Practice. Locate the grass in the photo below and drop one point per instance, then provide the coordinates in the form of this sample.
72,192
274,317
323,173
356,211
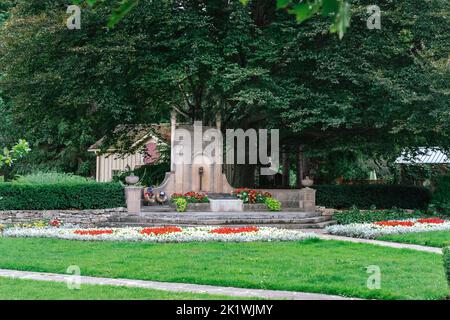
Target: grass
433,238
331,267
17,289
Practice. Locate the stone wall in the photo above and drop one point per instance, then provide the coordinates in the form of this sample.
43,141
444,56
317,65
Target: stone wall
85,218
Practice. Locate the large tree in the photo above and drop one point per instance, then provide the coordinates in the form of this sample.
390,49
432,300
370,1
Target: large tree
375,91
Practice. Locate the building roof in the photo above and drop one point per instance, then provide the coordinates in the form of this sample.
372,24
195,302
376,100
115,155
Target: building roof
425,156
133,136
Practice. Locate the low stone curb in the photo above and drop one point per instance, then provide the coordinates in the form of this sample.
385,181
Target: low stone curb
175,287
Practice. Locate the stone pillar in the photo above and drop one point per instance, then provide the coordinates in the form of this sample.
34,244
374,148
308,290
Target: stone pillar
133,196
308,200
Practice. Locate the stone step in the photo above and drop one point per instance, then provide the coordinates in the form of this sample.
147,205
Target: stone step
156,209
227,215
216,220
319,225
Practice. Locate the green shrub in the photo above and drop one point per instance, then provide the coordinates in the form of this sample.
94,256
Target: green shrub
441,196
358,216
181,204
273,204
447,263
51,178
368,196
61,196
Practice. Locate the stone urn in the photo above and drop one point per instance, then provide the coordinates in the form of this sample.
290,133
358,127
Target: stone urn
307,182
132,179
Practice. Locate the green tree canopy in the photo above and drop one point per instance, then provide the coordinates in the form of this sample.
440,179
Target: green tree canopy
375,91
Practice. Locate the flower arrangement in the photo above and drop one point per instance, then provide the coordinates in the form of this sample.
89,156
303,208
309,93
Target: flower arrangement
251,196
163,234
191,197
380,228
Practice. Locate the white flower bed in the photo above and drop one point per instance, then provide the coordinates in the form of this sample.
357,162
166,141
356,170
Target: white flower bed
371,230
191,234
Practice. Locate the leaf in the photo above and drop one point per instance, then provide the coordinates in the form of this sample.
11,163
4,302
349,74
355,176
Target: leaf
281,4
302,11
244,2
120,12
330,7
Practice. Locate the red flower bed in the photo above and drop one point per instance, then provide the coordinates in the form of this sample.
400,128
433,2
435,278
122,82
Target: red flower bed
192,197
431,220
92,232
395,223
234,230
161,230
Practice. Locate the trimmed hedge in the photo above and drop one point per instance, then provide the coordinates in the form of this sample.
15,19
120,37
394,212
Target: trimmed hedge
61,196
358,216
447,263
367,196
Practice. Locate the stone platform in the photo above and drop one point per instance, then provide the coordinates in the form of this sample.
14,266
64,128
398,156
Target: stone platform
283,219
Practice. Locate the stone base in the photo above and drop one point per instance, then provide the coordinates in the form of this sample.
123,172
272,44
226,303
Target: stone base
226,205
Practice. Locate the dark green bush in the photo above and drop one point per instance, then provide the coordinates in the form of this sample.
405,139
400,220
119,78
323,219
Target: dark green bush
447,263
61,196
441,196
358,216
367,196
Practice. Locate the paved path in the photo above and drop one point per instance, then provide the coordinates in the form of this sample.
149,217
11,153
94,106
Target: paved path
382,243
176,287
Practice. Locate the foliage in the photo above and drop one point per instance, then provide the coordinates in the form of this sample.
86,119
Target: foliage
339,10
441,196
51,178
348,165
376,91
181,204
251,196
273,204
366,216
61,196
368,196
10,156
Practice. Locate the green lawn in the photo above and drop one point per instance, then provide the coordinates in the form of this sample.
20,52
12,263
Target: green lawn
433,239
16,289
332,267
